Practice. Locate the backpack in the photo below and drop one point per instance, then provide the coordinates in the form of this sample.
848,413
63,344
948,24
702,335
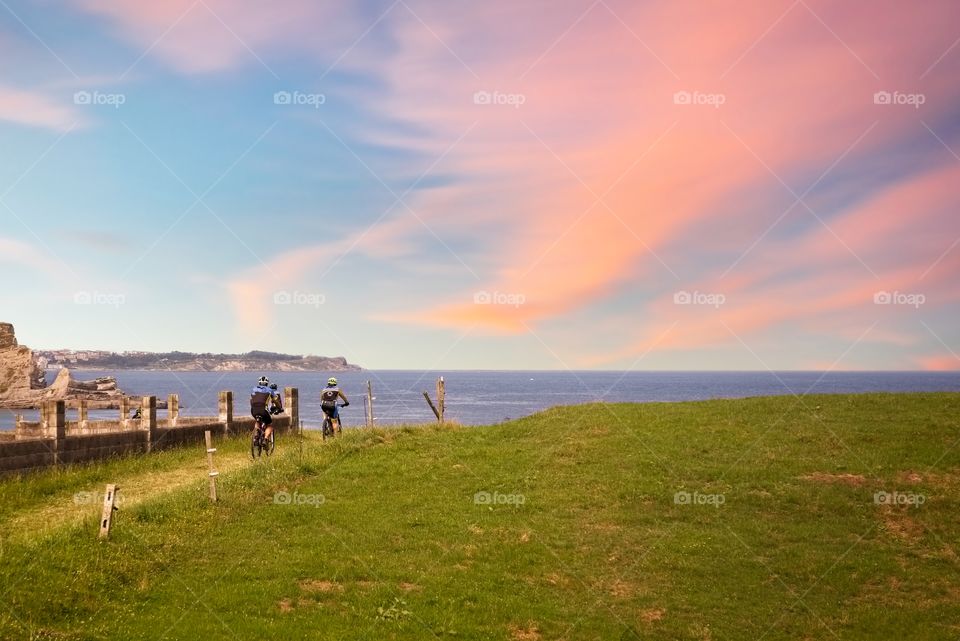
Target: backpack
328,398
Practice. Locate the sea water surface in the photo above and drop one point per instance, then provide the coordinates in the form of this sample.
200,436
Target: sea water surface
483,397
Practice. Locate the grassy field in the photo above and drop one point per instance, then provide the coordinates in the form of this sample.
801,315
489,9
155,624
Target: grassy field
777,518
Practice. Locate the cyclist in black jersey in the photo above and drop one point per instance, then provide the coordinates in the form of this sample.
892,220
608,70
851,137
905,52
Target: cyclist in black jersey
262,395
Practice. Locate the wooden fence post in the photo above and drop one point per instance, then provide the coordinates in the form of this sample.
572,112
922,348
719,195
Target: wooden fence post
441,397
213,472
291,405
226,410
369,404
426,395
106,517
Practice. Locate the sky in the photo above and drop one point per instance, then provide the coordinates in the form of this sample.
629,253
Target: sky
411,184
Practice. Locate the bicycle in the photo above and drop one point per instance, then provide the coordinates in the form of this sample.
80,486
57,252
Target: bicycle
260,444
327,429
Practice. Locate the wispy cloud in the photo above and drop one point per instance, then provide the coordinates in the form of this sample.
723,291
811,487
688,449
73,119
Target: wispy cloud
37,109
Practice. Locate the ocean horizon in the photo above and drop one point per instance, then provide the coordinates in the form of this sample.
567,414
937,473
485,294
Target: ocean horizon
478,397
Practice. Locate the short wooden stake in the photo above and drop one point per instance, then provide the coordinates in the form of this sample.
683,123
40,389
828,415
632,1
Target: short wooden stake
106,517
213,474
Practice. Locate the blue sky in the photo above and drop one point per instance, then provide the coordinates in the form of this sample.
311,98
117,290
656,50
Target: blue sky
505,186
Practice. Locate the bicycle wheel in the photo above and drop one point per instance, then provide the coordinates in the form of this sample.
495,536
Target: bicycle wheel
255,445
270,444
325,429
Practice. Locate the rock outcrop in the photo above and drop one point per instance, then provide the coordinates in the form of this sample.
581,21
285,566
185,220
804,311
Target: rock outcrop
8,338
23,384
20,373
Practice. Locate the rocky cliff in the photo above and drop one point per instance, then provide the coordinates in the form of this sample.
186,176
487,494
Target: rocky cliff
23,384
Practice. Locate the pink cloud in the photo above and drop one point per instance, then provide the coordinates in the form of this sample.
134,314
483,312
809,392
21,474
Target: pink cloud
940,363
37,110
307,266
22,254
817,283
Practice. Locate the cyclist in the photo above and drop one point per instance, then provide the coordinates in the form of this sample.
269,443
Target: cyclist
328,402
259,397
276,404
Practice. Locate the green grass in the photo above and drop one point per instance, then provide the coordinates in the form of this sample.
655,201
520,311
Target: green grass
784,539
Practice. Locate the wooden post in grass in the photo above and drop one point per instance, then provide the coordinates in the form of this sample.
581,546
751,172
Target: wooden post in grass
426,395
213,472
109,505
291,404
441,397
369,404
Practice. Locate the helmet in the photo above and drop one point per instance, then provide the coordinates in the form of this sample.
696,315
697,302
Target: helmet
331,381
263,382
273,386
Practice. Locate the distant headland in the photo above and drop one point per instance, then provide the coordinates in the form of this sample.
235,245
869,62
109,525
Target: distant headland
190,362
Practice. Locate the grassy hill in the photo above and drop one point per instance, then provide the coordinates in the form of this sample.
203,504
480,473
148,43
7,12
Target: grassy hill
734,519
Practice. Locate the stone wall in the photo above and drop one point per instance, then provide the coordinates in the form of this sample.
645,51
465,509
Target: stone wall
55,441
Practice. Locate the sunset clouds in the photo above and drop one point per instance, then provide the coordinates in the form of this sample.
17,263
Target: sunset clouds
686,160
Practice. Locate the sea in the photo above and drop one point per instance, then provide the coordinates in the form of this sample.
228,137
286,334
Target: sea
484,397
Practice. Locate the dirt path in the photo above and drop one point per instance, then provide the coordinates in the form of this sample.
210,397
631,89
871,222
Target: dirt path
135,488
